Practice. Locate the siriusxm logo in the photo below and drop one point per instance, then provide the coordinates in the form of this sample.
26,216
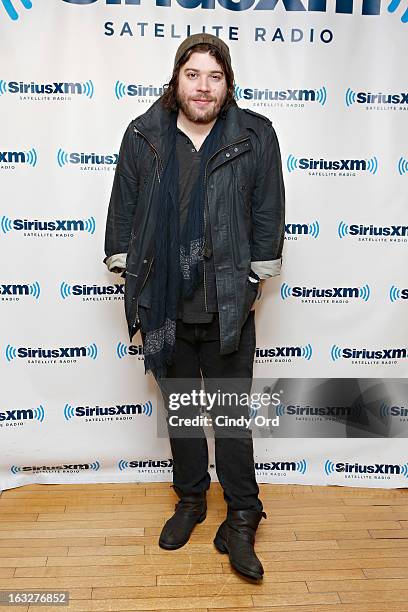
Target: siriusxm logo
86,159
39,354
366,97
11,158
28,414
57,225
366,355
283,353
337,167
397,294
292,230
64,468
350,469
402,166
123,350
11,11
140,91
369,7
392,7
373,232
311,294
31,88
146,464
326,412
282,466
387,411
92,292
14,292
119,411
283,95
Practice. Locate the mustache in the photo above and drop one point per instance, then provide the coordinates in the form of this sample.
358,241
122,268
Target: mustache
203,98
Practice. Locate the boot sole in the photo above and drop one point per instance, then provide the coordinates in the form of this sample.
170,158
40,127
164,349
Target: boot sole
179,545
222,547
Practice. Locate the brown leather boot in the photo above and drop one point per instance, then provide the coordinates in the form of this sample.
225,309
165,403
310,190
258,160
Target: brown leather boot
236,536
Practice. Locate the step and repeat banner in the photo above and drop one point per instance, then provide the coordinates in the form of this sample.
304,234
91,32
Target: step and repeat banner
332,329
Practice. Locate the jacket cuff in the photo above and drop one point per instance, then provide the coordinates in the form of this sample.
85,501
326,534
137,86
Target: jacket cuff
116,261
266,269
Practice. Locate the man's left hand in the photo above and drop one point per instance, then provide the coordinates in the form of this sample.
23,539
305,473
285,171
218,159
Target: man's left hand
258,297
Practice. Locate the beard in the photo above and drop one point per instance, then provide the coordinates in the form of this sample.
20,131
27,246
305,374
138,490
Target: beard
198,115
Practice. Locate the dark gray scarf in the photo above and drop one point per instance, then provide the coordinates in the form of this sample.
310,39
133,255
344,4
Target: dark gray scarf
178,259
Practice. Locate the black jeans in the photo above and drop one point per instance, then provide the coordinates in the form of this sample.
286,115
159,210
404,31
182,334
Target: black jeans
197,355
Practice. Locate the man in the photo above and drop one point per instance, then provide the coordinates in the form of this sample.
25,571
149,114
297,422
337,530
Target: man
196,222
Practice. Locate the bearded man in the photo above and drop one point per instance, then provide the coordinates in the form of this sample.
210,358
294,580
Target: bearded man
196,224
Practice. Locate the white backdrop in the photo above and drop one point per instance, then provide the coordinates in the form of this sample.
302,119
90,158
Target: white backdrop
73,74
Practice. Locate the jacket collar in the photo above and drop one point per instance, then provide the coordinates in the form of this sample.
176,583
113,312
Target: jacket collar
154,125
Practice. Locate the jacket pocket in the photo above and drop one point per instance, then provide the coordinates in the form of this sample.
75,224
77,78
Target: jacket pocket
241,186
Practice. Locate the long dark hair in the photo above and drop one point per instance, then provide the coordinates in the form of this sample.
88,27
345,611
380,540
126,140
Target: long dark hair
169,97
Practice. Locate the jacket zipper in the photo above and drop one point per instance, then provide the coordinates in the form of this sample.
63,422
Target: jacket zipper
206,193
157,155
159,163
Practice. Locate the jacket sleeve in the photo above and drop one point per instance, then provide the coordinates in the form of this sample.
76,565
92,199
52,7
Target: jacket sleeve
122,205
268,209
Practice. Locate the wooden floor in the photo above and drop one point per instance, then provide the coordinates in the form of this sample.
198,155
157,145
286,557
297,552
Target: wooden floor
323,549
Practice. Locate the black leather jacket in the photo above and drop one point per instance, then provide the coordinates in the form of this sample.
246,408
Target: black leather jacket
245,203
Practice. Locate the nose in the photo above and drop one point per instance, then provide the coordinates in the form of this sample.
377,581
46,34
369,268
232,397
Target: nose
203,83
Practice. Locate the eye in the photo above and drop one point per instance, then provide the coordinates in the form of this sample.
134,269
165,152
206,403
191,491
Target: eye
191,75
217,77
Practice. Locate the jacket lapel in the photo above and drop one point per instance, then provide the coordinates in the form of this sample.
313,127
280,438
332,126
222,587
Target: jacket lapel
155,122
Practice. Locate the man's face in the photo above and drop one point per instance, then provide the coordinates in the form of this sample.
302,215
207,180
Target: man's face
202,88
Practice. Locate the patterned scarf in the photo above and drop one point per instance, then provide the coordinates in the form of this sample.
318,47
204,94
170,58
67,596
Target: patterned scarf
178,259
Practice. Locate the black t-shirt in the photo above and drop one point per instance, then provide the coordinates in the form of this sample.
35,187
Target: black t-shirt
193,310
